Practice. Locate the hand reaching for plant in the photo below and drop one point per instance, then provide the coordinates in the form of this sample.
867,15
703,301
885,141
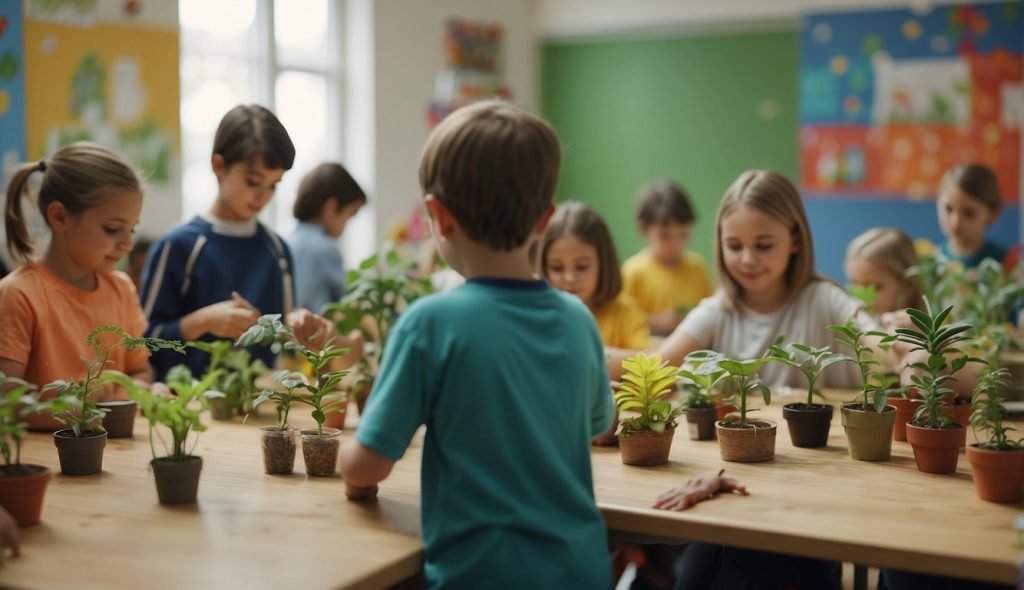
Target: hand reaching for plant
697,490
9,533
311,330
228,319
358,493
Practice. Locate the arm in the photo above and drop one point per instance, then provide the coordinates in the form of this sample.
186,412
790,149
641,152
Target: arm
664,322
678,344
363,468
698,489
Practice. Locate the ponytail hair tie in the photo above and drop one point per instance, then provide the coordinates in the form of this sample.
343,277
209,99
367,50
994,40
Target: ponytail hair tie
42,165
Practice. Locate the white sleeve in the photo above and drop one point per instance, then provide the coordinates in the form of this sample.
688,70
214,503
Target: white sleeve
702,321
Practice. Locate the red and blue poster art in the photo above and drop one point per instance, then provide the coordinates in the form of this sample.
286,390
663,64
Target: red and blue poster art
892,99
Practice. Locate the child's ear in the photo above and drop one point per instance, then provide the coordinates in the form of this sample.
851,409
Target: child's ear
57,217
545,219
441,217
220,167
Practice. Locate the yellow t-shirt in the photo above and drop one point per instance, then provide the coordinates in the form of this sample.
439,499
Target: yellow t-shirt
656,287
623,324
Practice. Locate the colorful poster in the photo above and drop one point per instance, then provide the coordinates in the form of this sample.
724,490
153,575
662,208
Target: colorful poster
891,99
12,88
473,67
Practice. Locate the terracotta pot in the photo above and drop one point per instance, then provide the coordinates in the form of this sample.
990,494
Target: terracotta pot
361,393
962,411
120,419
808,424
722,410
220,408
177,482
752,444
80,455
646,448
936,450
320,451
336,418
22,488
869,433
278,449
701,423
905,409
998,475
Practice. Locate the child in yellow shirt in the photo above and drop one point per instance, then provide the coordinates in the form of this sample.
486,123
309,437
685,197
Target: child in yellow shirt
663,278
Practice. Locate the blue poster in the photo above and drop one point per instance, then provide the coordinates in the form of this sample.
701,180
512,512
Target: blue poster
12,85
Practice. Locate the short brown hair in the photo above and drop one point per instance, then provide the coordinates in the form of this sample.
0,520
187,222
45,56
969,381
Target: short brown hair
663,202
250,132
586,225
892,251
977,181
78,176
495,167
323,183
772,194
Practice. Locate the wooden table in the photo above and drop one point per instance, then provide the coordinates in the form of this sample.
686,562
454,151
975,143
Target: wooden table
820,503
248,529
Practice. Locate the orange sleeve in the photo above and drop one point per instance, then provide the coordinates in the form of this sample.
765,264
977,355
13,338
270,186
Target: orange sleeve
134,322
19,323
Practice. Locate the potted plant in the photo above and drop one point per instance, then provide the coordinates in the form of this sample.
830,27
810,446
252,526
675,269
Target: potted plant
375,294
740,439
868,421
80,446
646,439
701,368
935,438
319,446
236,381
809,422
176,470
998,462
22,485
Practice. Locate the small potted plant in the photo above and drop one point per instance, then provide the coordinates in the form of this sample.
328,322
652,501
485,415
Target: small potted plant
176,471
701,368
646,438
319,446
998,462
935,438
868,420
809,422
22,485
80,446
236,380
740,439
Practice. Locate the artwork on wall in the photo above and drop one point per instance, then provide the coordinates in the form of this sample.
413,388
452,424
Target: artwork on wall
474,68
892,99
12,88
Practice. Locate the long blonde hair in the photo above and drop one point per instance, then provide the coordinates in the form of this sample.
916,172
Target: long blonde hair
892,251
772,194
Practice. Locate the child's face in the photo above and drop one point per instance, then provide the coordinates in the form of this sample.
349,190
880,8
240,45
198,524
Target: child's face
245,188
889,289
667,241
573,266
963,218
756,249
99,237
338,218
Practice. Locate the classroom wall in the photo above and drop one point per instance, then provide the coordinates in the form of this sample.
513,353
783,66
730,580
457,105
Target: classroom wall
698,109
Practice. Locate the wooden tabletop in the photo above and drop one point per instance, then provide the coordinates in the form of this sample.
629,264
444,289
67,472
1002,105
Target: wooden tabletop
820,503
247,529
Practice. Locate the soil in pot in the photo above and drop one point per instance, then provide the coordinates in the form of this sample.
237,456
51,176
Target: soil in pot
868,433
936,450
701,423
22,488
119,422
646,448
809,424
177,482
320,452
278,449
998,474
748,443
81,455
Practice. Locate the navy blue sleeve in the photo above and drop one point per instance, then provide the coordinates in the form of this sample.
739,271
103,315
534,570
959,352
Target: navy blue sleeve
162,300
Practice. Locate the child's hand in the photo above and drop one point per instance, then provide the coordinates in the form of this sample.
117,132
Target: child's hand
697,490
311,330
229,318
357,493
9,533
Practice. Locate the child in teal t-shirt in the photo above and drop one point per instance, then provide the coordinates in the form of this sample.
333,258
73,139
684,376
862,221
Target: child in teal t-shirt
507,374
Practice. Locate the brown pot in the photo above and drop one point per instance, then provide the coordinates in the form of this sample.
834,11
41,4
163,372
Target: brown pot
962,411
701,423
722,410
361,393
868,433
220,408
22,488
177,482
119,422
936,450
336,417
998,475
905,409
80,455
753,443
808,424
278,449
320,451
646,448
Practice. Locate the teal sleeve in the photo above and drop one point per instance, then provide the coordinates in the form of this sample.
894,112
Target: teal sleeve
602,407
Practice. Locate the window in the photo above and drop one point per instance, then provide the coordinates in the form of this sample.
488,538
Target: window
283,55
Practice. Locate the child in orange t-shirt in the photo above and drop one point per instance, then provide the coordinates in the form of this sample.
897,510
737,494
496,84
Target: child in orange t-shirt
91,202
